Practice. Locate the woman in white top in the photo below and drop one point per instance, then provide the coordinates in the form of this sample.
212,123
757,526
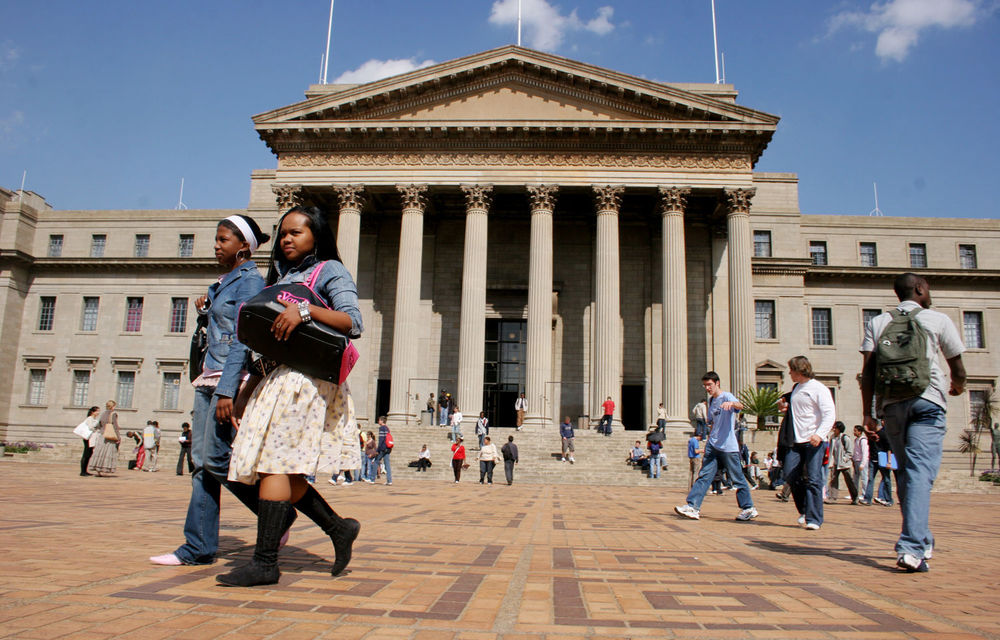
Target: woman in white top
456,424
488,458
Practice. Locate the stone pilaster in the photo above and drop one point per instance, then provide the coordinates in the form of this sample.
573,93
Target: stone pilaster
287,196
351,197
607,302
741,319
472,331
539,365
406,326
674,324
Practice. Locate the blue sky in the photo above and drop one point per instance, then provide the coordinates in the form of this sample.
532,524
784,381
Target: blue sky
107,105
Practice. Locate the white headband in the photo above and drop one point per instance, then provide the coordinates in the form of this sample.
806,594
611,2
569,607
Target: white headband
245,229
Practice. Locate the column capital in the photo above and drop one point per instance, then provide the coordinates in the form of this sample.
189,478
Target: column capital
414,195
287,196
543,196
477,196
609,196
738,200
674,199
350,196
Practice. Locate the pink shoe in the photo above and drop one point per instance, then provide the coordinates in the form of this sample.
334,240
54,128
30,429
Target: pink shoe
167,559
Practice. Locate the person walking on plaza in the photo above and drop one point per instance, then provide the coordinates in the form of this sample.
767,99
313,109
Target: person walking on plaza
878,443
700,413
293,420
215,390
567,436
914,411
85,430
457,458
859,459
604,426
384,449
841,463
488,458
811,411
104,461
694,455
151,442
509,452
368,456
520,406
720,450
482,427
185,441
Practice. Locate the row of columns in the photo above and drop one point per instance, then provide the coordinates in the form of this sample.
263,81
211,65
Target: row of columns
607,336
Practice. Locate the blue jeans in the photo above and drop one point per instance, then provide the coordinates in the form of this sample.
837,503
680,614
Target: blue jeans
383,457
731,461
456,432
916,429
654,466
884,489
803,468
604,426
211,445
367,468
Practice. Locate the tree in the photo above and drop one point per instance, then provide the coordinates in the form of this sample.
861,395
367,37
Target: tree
980,420
761,402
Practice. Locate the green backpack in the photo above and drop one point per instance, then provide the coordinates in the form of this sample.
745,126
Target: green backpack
902,369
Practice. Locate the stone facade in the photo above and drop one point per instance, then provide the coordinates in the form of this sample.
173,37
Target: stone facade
577,231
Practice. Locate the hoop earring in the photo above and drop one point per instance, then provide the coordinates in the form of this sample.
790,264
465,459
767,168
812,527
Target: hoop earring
240,256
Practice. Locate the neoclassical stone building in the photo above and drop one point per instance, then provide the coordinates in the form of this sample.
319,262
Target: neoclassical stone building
516,221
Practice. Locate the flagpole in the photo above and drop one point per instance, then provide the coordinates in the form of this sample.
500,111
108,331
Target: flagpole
519,23
715,42
329,28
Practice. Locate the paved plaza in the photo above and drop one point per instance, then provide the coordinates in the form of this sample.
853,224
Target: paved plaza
437,560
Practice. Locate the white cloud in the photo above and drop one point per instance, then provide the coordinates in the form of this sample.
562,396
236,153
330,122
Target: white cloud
9,55
377,69
544,25
10,124
899,23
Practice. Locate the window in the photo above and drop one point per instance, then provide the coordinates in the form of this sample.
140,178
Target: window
762,244
178,315
869,255
141,245
88,318
918,255
185,246
764,318
817,251
133,314
171,391
97,243
972,322
868,314
822,327
967,256
126,389
36,386
46,313
55,246
81,387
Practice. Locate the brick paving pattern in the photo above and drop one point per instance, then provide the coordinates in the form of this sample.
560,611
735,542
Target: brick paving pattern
440,561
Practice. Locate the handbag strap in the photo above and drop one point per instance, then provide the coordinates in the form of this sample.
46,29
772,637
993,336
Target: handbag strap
311,281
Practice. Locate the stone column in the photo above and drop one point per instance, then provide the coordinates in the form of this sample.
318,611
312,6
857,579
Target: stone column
539,365
674,324
351,198
607,303
472,331
287,196
741,318
406,327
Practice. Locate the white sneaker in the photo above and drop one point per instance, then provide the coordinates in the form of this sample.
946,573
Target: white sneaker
572,460
929,552
747,514
812,526
688,512
333,481
348,483
563,460
801,521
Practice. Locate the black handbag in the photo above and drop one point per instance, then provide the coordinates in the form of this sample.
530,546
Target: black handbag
199,347
313,348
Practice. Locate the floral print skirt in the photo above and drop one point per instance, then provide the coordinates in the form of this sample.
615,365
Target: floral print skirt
295,424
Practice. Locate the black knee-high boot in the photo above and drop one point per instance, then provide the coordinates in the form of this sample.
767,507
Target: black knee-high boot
342,531
263,568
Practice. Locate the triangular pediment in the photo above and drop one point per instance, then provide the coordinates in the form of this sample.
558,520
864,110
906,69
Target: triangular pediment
515,85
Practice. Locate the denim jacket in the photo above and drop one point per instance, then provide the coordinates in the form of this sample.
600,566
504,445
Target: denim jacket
334,284
225,351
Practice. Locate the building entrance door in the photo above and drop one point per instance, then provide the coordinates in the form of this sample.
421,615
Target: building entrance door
504,371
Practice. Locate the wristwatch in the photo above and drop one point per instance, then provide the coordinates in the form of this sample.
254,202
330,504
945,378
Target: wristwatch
304,312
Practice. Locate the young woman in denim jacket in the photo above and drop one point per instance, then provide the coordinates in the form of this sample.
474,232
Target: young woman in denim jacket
236,238
290,413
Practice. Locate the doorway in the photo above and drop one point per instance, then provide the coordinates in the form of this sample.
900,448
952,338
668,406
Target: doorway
633,407
504,369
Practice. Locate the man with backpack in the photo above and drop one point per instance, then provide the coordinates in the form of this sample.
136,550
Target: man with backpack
901,370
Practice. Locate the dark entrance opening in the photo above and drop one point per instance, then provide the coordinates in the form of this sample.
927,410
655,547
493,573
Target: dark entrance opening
633,407
382,398
504,372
